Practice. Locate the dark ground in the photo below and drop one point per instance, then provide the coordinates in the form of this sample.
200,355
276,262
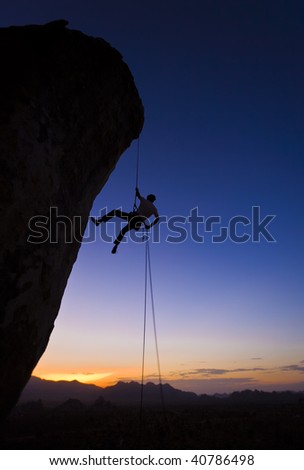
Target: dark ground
76,426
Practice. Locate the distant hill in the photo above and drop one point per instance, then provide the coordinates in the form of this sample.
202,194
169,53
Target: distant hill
129,393
265,398
52,392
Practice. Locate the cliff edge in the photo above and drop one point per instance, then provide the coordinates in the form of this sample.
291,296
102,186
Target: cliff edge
68,110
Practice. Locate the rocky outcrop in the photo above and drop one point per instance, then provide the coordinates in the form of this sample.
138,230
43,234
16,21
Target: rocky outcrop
68,110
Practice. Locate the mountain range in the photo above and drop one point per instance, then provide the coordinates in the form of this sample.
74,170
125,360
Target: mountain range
123,393
129,393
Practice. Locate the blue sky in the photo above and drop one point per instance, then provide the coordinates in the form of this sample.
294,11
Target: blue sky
222,87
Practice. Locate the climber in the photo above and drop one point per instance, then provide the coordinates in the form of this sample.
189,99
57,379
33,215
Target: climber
135,219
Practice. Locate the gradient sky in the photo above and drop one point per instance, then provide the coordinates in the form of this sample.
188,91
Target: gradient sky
222,86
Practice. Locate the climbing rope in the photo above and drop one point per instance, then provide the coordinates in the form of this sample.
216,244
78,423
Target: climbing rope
149,285
137,175
144,334
154,323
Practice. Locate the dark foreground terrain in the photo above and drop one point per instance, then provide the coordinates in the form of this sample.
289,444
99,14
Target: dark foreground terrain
104,426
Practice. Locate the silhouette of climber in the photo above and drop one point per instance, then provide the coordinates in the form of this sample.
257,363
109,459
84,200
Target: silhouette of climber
135,218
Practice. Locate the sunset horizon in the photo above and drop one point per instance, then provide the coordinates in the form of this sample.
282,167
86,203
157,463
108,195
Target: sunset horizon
215,384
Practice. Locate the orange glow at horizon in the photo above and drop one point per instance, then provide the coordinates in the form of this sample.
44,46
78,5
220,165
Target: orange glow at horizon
104,378
90,378
107,378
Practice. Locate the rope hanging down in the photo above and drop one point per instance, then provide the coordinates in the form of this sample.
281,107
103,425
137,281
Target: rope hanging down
149,285
137,175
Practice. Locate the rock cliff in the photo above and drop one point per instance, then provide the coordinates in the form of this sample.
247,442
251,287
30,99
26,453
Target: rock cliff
68,110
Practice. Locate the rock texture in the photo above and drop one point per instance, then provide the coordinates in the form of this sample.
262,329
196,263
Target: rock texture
68,110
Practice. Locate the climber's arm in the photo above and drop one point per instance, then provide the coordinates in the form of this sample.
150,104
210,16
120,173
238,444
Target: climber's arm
155,221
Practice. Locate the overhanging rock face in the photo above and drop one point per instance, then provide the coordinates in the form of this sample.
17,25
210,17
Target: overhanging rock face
68,110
